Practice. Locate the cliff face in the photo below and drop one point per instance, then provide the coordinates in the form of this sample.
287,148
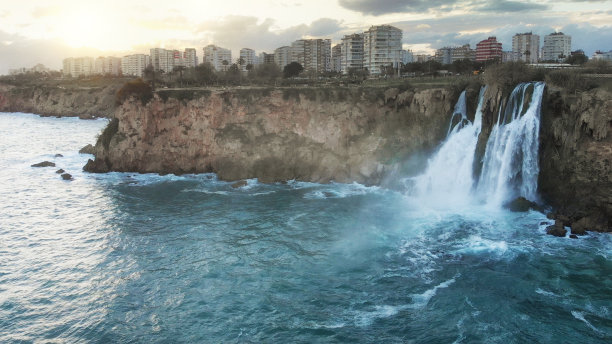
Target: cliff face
316,135
59,101
576,157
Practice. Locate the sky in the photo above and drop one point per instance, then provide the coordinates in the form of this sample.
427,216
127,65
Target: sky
37,31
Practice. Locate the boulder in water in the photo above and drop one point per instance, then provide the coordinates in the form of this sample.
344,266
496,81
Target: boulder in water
66,176
239,184
522,204
60,171
44,164
89,149
589,223
59,155
557,229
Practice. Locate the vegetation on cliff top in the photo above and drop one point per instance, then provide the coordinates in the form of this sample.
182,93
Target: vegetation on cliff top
136,88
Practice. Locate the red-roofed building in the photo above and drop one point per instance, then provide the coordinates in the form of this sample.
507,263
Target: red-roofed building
488,49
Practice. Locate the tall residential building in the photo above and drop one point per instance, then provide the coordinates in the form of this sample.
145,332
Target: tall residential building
557,47
526,47
190,58
313,54
219,58
407,56
282,56
488,49
135,64
265,58
382,46
108,65
337,58
444,55
39,68
352,53
164,60
77,66
249,58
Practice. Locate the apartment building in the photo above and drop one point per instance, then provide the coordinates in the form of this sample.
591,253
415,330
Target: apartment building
190,58
406,56
526,47
557,47
337,58
248,58
109,65
489,49
282,56
219,58
382,46
135,64
351,53
313,54
265,58
78,66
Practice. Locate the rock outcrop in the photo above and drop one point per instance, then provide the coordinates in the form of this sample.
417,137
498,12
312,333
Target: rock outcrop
341,134
576,157
46,100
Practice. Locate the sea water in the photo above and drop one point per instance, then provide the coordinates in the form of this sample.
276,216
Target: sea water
124,257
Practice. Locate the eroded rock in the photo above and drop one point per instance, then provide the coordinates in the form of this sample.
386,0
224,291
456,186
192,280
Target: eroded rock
44,164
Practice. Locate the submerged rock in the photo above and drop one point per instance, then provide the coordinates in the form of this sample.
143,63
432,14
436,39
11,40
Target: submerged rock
89,149
522,204
60,171
59,155
589,223
66,176
44,164
239,184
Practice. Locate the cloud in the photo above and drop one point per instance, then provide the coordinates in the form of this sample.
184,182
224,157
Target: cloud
512,6
41,12
237,32
394,6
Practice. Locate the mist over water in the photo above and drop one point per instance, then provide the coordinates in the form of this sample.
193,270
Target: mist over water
123,257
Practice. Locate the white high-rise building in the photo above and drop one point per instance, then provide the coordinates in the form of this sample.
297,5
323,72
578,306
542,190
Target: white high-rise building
351,52
219,58
282,56
313,54
77,66
248,58
135,64
337,58
190,58
382,46
108,65
407,56
165,60
526,47
557,47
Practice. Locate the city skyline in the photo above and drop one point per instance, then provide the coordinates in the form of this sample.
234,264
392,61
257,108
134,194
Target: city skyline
36,32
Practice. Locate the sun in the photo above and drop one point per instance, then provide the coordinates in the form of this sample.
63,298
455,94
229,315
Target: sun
88,28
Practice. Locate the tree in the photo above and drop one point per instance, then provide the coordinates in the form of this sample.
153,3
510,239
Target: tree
292,70
180,70
577,59
265,73
205,74
150,75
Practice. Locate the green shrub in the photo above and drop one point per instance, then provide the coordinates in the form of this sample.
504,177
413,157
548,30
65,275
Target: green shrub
108,132
137,88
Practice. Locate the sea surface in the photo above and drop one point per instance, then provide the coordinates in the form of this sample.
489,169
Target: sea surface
143,258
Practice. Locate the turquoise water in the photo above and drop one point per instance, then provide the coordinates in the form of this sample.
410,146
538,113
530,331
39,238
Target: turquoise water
122,257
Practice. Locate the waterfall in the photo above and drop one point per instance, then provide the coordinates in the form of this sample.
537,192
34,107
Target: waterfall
510,164
449,174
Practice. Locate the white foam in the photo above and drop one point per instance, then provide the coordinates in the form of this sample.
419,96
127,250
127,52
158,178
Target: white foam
421,300
476,244
545,292
580,316
364,319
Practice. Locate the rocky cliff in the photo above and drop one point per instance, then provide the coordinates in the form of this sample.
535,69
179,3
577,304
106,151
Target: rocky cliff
46,100
576,157
340,134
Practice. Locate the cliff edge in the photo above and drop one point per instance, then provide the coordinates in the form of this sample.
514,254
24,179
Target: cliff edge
318,134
